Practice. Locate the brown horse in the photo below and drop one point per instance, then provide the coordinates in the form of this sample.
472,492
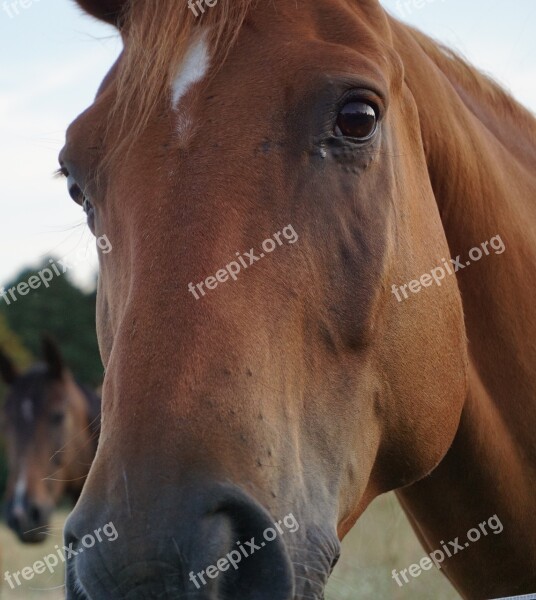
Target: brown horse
52,426
303,385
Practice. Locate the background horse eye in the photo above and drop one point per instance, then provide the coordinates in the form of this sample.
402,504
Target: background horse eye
57,418
356,120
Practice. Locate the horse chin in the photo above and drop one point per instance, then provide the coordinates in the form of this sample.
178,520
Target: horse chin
33,537
222,543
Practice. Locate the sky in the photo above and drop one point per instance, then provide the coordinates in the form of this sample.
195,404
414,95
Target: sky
54,58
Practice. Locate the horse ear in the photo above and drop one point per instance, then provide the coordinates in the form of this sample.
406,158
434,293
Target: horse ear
105,10
8,371
52,356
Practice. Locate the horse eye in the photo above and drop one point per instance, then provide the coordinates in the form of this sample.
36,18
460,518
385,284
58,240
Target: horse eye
74,190
57,418
356,120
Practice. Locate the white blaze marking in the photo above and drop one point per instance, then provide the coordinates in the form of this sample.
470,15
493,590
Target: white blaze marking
27,410
20,492
193,68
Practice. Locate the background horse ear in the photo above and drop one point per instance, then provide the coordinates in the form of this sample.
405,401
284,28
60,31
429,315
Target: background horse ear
8,371
105,10
53,358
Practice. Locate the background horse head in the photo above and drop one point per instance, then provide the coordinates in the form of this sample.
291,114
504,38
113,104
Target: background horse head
249,379
51,432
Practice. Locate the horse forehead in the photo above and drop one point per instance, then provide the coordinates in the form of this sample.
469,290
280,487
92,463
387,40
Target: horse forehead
27,400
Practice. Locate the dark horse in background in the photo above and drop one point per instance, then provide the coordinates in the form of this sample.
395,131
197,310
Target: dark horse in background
304,386
52,428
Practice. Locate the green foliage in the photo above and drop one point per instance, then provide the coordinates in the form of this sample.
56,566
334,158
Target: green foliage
13,346
65,312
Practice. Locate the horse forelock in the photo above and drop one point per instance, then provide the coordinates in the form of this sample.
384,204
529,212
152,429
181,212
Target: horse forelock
155,45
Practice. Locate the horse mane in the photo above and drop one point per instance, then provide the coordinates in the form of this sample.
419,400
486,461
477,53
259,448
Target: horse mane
460,71
155,43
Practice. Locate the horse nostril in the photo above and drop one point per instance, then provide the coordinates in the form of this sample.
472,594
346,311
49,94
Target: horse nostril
219,549
251,565
35,515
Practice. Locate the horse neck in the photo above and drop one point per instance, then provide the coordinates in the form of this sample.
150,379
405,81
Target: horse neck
481,156
481,152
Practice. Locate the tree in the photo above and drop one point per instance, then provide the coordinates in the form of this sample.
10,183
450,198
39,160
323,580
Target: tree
64,311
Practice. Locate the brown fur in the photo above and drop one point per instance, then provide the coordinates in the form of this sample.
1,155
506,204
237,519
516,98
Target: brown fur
155,42
304,383
51,428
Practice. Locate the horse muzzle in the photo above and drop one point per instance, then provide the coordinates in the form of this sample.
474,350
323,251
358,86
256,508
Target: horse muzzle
28,519
221,544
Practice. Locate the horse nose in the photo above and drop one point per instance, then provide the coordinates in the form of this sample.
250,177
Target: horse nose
222,544
27,519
